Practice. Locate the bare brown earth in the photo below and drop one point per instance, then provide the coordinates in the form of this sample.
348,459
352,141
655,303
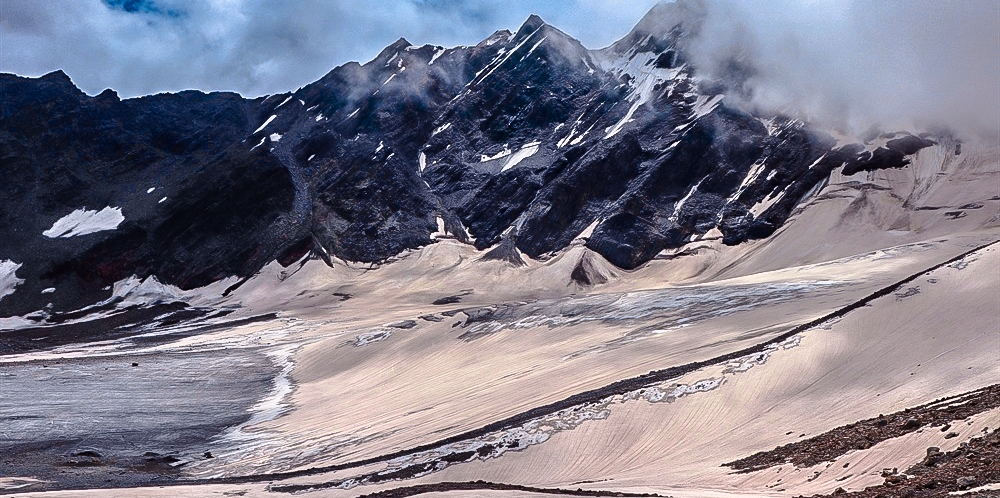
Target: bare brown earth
970,467
864,434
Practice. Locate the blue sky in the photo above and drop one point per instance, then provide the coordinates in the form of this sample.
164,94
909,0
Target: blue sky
258,47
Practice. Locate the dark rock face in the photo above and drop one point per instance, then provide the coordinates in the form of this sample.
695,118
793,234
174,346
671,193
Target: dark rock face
225,211
517,144
891,155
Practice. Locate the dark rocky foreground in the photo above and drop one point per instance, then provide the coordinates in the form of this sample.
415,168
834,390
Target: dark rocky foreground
520,142
973,464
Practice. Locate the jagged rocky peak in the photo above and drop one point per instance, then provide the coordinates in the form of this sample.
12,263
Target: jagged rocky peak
516,145
535,36
51,90
57,76
532,23
678,18
108,94
666,29
499,36
390,51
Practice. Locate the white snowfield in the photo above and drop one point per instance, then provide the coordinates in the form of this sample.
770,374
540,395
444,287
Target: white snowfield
85,221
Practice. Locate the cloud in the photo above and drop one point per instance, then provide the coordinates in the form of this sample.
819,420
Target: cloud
853,63
258,47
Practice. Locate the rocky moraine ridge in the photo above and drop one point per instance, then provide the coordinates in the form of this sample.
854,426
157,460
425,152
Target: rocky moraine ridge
516,145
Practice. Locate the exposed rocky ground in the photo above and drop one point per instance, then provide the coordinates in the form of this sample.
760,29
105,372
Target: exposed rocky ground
972,465
866,433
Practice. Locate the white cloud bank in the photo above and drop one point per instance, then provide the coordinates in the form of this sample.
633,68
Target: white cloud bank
852,63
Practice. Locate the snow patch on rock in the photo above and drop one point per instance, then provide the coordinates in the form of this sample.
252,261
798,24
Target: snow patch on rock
503,153
526,151
84,221
265,124
438,53
8,277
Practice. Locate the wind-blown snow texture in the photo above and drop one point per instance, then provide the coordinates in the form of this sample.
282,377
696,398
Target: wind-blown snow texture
362,163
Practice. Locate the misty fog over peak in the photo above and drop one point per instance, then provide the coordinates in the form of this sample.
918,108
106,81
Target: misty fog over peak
853,64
